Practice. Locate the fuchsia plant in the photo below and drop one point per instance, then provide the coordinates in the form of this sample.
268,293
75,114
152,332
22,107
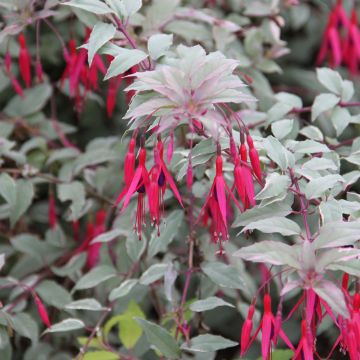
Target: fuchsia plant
162,196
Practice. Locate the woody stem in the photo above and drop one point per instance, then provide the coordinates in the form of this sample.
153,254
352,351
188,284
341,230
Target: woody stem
303,206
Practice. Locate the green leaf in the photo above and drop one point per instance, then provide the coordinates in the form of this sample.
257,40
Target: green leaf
317,187
340,118
209,304
322,103
74,192
271,252
168,231
275,185
126,59
134,247
310,147
34,100
85,304
100,35
94,277
129,329
94,6
223,275
330,79
130,7
282,128
153,273
330,293
107,236
66,325
160,339
260,213
208,343
275,224
26,326
277,153
100,355
73,265
123,290
336,234
53,294
158,44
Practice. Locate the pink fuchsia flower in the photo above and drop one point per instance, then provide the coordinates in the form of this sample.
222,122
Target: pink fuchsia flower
216,204
24,61
14,82
254,158
140,184
267,326
305,348
332,43
42,311
246,330
351,51
159,178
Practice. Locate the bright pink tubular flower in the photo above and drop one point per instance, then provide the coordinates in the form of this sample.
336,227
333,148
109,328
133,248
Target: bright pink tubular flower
243,180
351,49
114,85
331,46
129,163
216,204
14,82
93,250
267,326
254,158
246,331
159,178
42,311
305,349
140,184
52,212
24,61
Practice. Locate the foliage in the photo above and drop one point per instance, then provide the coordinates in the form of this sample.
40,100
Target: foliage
179,179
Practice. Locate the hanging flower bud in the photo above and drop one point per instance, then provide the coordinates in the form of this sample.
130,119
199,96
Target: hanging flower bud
129,163
24,61
42,311
254,158
189,175
246,330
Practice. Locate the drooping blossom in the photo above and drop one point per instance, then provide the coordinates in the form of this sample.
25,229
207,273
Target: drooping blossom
243,180
14,82
216,204
24,61
254,158
140,184
332,42
159,178
351,50
42,311
266,327
305,348
246,330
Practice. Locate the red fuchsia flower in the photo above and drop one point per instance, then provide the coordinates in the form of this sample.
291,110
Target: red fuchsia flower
331,46
14,82
24,61
114,85
189,175
351,51
129,163
216,204
140,184
93,250
52,211
254,158
305,349
243,180
246,331
267,326
42,311
159,178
